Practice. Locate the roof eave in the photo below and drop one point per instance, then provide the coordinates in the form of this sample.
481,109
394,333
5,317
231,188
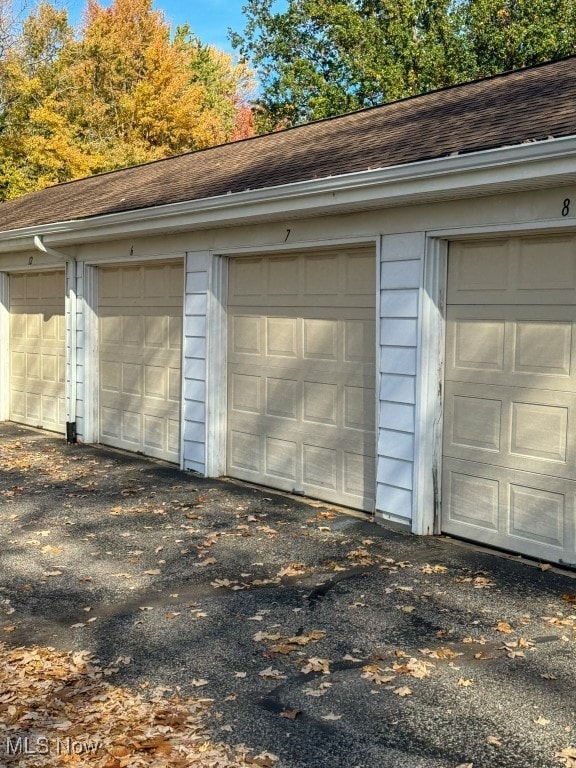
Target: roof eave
504,169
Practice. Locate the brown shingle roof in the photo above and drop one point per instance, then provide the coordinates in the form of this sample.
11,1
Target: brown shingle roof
530,104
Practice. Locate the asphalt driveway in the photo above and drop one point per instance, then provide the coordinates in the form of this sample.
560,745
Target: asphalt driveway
323,639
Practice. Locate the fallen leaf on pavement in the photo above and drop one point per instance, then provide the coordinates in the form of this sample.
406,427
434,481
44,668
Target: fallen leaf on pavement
316,664
403,691
290,714
331,716
272,674
208,561
567,756
294,569
465,683
541,721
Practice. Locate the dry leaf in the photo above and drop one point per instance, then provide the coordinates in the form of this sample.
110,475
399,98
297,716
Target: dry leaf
290,714
465,683
316,664
541,721
272,674
504,626
567,756
403,691
444,653
376,674
199,683
494,740
294,569
331,716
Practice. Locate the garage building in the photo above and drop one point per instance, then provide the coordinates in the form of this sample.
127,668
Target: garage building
376,310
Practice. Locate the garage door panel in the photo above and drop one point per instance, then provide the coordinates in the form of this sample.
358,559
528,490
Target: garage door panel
37,349
320,403
283,398
320,339
538,271
140,358
282,337
517,510
245,453
511,426
283,277
280,458
49,364
301,374
522,349
245,393
510,395
320,467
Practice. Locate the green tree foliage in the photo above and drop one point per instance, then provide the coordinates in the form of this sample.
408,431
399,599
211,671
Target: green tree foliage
518,33
317,58
123,91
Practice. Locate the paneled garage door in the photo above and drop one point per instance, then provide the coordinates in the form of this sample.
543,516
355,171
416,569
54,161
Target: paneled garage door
140,310
510,400
301,374
38,349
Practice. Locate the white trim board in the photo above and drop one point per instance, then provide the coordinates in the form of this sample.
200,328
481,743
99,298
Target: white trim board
4,346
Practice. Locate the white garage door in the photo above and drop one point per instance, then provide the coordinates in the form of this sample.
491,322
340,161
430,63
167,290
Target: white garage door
510,399
140,310
301,374
37,349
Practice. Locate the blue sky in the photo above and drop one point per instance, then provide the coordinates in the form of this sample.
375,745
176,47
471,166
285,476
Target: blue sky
209,19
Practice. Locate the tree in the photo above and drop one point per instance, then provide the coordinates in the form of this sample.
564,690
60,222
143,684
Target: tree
509,34
124,91
318,58
38,144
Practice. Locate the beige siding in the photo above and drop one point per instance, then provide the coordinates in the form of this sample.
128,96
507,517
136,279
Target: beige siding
37,349
301,374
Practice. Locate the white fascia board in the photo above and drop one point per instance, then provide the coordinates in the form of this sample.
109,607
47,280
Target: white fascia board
504,169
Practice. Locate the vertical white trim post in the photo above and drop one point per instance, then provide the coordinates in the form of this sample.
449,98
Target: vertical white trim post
71,340
91,355
429,391
216,367
4,346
